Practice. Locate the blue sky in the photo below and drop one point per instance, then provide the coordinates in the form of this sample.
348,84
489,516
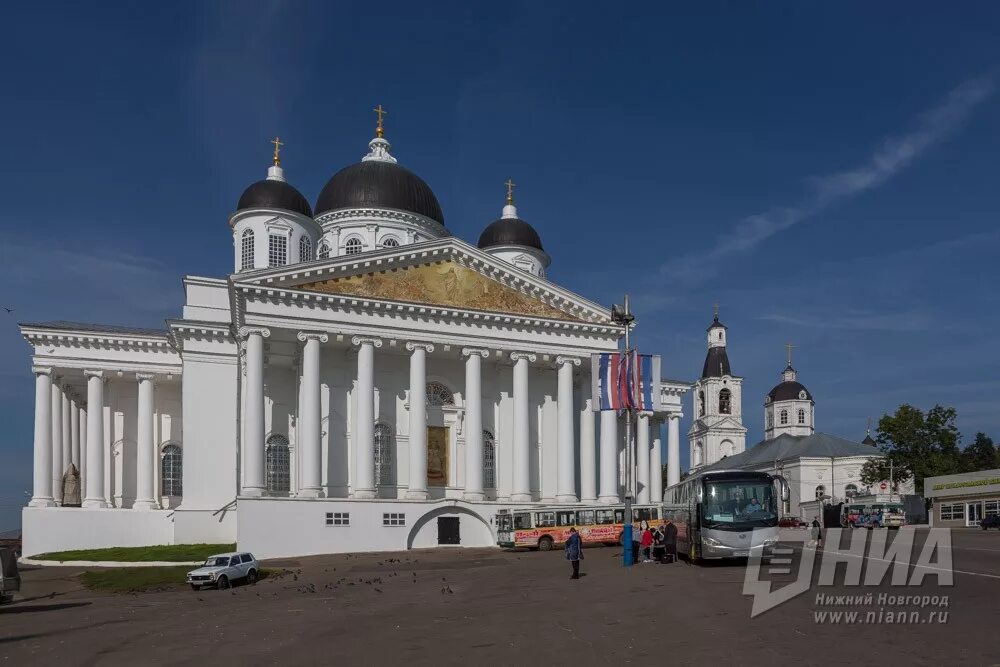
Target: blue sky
828,173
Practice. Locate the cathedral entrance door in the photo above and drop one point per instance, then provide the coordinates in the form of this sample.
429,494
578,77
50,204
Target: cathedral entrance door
448,530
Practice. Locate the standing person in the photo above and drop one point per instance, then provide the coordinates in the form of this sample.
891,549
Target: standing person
670,541
658,544
817,532
647,543
636,541
574,551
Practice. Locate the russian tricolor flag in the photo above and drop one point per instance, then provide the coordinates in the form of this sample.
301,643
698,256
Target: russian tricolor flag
625,380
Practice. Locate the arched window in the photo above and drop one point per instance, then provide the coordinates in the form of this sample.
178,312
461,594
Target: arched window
305,249
851,490
489,461
390,242
277,250
770,419
725,402
276,465
324,250
353,247
701,404
802,416
170,471
783,417
820,492
698,447
383,454
438,394
246,250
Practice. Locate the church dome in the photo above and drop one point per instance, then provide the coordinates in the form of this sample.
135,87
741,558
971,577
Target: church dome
789,390
716,363
379,184
273,193
510,231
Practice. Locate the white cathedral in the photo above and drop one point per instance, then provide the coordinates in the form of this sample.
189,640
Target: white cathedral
362,381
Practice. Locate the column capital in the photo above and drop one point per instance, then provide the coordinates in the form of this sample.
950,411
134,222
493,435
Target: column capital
675,415
145,377
469,351
245,331
95,374
303,336
361,340
560,360
415,345
517,356
42,370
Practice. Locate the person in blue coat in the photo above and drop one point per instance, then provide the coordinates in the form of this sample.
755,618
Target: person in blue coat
574,551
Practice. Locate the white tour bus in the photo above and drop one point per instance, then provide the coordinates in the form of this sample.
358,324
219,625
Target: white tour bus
717,511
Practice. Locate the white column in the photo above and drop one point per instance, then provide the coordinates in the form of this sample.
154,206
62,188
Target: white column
95,440
521,487
67,431
474,422
418,420
609,457
83,450
310,449
588,449
656,464
145,454
364,422
42,478
642,459
74,430
55,399
253,420
565,456
673,450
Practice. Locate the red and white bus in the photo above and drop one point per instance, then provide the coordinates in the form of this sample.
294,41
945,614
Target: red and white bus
543,527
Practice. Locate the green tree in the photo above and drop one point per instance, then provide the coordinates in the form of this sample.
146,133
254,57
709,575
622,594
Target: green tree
923,444
981,454
878,470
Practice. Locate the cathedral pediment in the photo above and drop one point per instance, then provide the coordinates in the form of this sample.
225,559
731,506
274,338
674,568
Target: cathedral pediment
446,273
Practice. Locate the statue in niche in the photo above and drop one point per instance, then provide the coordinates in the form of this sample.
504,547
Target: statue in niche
71,487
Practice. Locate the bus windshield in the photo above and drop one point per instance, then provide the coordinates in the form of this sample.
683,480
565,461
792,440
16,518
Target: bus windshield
504,522
739,505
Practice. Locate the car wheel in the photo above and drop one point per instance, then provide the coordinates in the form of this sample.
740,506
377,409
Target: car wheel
195,587
545,544
252,577
223,582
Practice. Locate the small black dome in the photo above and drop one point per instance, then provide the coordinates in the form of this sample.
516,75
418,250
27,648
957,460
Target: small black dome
378,184
716,363
510,231
274,194
869,440
789,391
716,324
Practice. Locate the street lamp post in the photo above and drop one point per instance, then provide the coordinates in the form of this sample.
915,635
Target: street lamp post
623,315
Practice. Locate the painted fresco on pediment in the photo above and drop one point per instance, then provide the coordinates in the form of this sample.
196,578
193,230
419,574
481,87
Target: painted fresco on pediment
439,284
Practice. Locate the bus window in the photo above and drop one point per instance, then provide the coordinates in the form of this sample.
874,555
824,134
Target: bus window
522,521
545,519
654,513
605,517
566,518
641,514
586,517
619,516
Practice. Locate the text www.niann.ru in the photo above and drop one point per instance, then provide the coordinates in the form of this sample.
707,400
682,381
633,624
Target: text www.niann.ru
888,617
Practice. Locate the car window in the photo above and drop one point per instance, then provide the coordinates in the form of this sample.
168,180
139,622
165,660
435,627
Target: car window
235,560
247,558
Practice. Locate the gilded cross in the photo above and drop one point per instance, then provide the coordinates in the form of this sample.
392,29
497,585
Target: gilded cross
715,306
277,149
381,113
510,191
789,347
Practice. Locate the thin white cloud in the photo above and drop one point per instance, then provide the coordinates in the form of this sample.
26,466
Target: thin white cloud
893,155
858,321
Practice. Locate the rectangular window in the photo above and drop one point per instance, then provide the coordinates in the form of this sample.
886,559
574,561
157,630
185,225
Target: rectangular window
338,518
586,517
393,519
545,519
245,558
954,512
566,518
605,517
246,250
991,507
522,521
277,250
619,516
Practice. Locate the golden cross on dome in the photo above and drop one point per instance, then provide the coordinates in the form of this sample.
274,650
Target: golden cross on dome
715,306
510,191
381,113
789,346
277,150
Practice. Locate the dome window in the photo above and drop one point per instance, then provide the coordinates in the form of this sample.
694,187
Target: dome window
246,250
305,249
390,242
324,250
353,247
783,417
277,250
802,416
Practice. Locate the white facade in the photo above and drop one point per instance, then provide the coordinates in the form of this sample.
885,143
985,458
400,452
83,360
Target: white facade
717,404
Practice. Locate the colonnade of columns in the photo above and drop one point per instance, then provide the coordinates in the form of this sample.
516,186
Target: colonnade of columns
65,436
363,483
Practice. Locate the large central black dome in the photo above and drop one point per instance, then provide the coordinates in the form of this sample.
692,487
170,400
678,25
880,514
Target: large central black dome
379,184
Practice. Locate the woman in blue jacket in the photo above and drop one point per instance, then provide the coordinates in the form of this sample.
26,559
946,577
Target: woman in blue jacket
574,551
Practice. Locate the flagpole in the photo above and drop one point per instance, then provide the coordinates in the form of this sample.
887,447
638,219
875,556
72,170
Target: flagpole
627,528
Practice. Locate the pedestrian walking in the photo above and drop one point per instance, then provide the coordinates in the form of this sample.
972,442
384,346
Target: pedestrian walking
817,532
670,541
658,549
647,543
574,551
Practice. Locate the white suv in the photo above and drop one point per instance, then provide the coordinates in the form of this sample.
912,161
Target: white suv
222,570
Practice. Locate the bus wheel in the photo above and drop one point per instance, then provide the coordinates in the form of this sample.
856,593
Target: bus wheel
545,544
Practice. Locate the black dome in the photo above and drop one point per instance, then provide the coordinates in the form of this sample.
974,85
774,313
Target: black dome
789,391
716,363
869,440
274,194
378,184
510,231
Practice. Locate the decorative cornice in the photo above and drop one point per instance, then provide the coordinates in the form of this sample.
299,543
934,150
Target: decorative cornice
363,216
470,351
414,345
145,377
529,356
303,336
361,340
245,331
560,360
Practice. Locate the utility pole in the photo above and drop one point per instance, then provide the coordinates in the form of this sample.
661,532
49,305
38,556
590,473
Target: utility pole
624,316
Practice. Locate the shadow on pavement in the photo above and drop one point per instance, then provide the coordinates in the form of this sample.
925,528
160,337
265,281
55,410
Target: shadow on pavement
17,609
